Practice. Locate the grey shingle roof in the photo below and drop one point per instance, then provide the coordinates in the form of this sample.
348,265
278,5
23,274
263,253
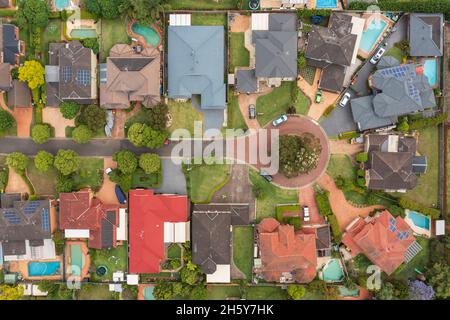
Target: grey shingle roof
9,44
332,78
5,76
246,81
426,34
387,62
19,95
196,64
364,115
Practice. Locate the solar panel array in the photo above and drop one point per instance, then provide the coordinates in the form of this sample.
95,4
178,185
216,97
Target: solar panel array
413,92
402,235
31,207
12,217
83,77
392,224
398,72
66,73
401,72
45,219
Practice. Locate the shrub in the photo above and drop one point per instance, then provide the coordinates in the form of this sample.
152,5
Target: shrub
362,157
323,204
69,110
428,122
67,161
7,121
63,184
43,161
18,161
348,135
93,116
360,173
92,43
396,211
415,206
141,135
40,133
82,134
126,162
296,292
257,191
335,229
361,182
150,163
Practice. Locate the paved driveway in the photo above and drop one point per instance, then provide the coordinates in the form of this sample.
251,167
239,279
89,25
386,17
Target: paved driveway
174,181
340,120
107,193
54,117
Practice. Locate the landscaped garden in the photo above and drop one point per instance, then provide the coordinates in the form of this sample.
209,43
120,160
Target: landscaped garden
51,34
239,55
114,259
243,250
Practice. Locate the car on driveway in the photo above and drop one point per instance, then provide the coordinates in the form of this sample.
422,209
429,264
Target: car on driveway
108,170
279,120
318,96
252,111
306,216
377,56
120,195
345,99
266,176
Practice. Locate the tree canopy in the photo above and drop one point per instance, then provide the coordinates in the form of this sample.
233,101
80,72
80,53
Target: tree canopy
439,279
93,116
296,292
82,134
32,72
145,11
126,162
11,292
40,133
69,110
6,120
108,9
32,13
150,162
67,161
43,161
18,161
142,135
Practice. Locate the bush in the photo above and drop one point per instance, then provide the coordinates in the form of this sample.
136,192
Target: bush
361,173
69,110
150,163
257,191
329,110
3,179
93,116
17,161
43,161
335,229
63,184
7,121
92,43
361,182
396,211
415,206
140,135
67,161
40,133
323,204
343,183
82,134
126,162
362,157
428,122
296,292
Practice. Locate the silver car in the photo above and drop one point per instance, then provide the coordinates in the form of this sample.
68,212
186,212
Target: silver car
345,99
377,56
279,120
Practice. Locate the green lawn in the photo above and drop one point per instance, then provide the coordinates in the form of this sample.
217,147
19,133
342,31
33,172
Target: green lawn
90,174
240,57
174,251
448,175
396,53
219,292
243,249
183,116
266,293
114,259
202,4
278,101
43,182
204,180
426,191
143,180
208,19
420,261
235,119
113,32
91,291
270,197
341,165
52,33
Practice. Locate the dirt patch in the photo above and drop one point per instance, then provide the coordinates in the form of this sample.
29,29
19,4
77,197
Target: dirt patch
240,23
54,117
15,183
107,193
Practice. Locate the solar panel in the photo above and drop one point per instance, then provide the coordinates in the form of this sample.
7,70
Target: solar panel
45,219
11,217
67,73
83,77
31,207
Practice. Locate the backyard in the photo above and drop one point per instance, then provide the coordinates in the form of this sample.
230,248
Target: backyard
116,32
266,293
240,57
114,259
419,262
52,33
208,19
279,100
220,292
243,250
201,4
183,116
204,180
90,174
91,291
270,196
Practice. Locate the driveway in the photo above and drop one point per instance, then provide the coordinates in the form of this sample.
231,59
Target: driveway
244,100
174,181
307,198
22,115
107,193
120,118
54,117
213,119
340,120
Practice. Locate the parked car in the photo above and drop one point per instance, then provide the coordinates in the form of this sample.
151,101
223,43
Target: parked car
377,56
318,96
345,99
108,170
306,216
266,176
279,120
120,195
252,111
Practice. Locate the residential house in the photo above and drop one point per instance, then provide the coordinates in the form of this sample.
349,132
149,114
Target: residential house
6,4
286,255
398,90
323,239
5,77
25,229
130,74
156,221
196,57
426,34
386,241
11,47
81,216
211,237
19,95
334,49
393,164
71,75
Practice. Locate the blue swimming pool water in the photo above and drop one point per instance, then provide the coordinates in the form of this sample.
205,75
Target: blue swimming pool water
61,4
333,271
419,220
39,269
148,293
345,292
370,36
150,35
430,70
326,4
83,33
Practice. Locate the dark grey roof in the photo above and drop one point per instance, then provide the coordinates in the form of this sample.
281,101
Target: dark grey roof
131,64
240,213
108,226
364,115
196,64
276,49
14,248
4,3
246,81
19,95
5,77
387,62
323,239
420,164
332,78
211,240
426,34
8,199
9,44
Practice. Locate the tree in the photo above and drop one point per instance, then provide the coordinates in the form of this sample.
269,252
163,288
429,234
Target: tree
40,133
43,161
11,292
32,72
141,135
362,157
157,116
296,292
126,162
108,9
32,14
69,110
439,279
6,121
419,290
63,184
199,292
190,274
145,11
386,292
163,290
150,162
18,161
403,125
93,116
67,161
92,43
82,134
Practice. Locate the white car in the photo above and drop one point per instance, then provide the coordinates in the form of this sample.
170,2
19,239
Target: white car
306,216
345,99
279,120
108,170
377,56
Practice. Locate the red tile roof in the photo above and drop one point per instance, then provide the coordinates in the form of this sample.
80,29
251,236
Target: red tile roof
148,212
383,245
284,250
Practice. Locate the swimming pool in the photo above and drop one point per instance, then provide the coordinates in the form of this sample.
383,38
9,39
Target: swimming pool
345,292
371,35
150,35
430,70
83,33
61,4
76,259
40,269
332,271
326,4
419,220
148,293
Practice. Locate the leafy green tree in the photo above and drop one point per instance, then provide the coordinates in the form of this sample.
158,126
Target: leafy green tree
296,292
199,292
18,161
67,161
11,292
82,134
145,11
32,13
150,162
108,9
141,135
63,184
69,110
403,125
94,117
6,121
190,274
32,72
93,44
126,162
40,133
439,279
43,161
157,116
386,292
163,291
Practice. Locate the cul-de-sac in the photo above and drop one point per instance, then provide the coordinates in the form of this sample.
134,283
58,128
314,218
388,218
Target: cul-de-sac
224,150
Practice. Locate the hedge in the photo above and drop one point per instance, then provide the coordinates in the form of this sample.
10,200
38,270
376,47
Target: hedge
348,135
301,13
362,157
416,206
428,122
7,13
323,204
335,229
328,110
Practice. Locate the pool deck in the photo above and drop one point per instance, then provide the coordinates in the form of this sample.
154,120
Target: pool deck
141,289
22,268
141,39
87,260
369,18
417,230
